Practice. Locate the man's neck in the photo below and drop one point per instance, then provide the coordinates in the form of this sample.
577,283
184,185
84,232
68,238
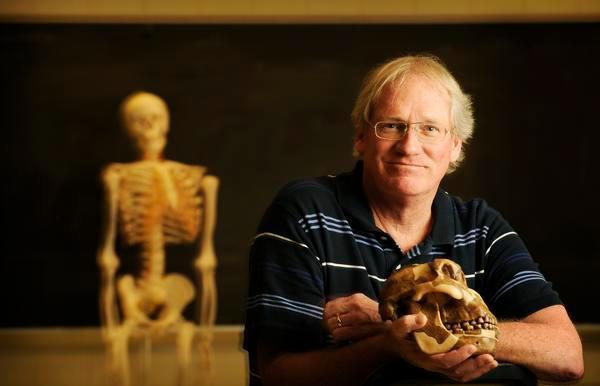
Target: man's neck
408,219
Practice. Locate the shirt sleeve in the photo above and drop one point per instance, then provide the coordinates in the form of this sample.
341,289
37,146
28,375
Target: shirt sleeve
285,295
514,286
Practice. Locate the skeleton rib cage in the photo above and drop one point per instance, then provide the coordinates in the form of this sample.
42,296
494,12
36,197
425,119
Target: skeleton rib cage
166,201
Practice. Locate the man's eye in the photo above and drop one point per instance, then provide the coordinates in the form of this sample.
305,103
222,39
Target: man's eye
430,129
394,126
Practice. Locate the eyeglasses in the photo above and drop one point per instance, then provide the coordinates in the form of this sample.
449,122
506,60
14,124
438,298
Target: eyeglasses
396,130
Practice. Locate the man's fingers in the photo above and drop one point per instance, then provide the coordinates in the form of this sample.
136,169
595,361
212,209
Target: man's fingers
474,368
340,320
358,332
409,323
354,302
353,318
350,310
452,358
331,324
358,317
420,320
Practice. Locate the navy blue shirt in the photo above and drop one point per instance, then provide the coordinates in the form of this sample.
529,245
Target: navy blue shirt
318,241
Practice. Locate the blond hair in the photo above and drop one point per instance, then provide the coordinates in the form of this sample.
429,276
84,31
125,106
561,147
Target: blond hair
396,71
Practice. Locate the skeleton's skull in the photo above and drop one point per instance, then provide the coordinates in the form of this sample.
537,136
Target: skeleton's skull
456,314
145,117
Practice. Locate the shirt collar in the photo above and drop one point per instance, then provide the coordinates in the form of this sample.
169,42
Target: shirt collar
356,206
353,199
443,224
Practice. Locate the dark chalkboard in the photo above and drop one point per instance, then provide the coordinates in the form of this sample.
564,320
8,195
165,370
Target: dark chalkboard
262,104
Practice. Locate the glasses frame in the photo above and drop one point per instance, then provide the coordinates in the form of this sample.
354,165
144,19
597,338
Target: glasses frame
414,126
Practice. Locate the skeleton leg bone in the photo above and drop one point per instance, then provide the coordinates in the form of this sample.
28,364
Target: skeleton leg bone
208,299
185,334
119,353
206,353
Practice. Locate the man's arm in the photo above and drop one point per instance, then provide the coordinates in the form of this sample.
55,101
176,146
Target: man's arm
546,342
347,365
351,364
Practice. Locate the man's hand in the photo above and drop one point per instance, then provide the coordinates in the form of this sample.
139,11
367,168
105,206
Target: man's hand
458,364
356,317
352,317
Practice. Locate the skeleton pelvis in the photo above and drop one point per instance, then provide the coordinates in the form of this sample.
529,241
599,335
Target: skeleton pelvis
147,300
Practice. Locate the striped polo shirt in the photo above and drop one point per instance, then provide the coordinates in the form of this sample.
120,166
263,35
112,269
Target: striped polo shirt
318,241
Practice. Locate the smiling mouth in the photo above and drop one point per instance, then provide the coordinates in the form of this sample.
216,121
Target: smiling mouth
404,164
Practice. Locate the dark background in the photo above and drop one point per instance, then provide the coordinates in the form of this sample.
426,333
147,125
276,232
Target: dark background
262,104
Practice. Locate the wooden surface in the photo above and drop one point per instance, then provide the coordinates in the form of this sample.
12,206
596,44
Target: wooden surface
76,357
61,356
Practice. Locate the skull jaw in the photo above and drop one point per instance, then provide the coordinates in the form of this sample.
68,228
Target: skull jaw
434,338
429,345
485,342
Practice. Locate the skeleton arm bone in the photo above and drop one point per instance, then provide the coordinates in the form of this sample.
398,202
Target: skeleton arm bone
546,342
107,258
206,256
206,261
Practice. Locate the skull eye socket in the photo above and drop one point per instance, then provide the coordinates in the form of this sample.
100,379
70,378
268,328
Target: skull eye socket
453,272
448,270
451,311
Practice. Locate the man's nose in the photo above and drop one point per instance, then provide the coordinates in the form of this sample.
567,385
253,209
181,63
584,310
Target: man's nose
410,142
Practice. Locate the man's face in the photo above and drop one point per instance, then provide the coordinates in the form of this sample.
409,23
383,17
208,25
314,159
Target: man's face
408,167
147,121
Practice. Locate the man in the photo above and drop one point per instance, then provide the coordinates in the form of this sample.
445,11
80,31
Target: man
326,245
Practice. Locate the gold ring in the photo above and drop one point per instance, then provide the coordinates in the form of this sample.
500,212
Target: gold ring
339,321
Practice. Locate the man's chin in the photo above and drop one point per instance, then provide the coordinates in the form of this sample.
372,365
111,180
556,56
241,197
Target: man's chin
405,185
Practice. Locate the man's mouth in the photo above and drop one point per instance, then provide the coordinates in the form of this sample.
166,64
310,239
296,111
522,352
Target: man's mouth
405,164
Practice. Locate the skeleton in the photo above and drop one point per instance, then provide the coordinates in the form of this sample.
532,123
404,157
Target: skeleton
456,314
151,203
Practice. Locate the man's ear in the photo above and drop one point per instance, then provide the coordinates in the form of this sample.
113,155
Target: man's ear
359,142
456,148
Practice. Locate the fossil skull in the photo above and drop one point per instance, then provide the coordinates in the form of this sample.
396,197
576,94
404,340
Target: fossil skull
456,314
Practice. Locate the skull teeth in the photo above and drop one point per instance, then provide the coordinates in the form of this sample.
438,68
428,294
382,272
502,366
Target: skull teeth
480,323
